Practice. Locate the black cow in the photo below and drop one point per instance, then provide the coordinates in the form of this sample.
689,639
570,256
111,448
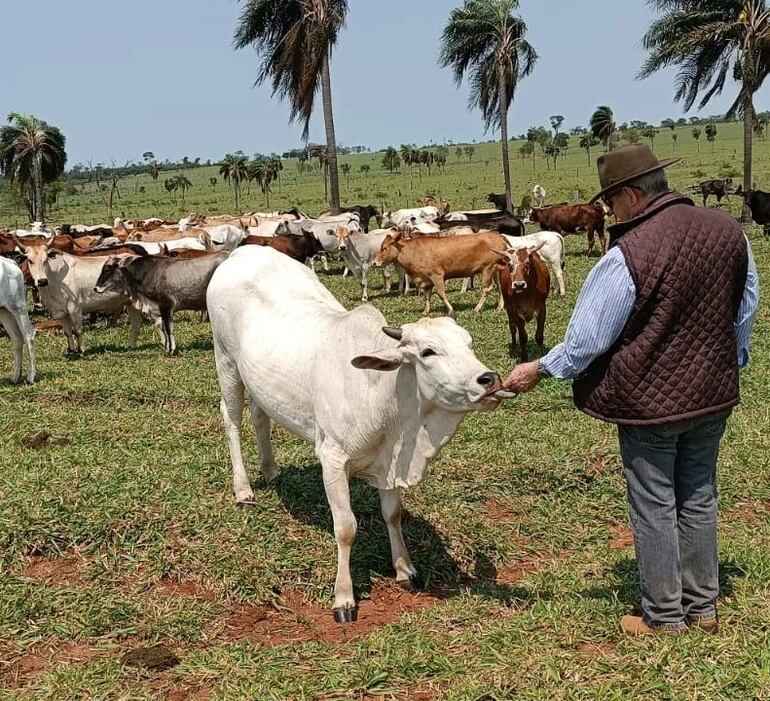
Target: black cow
171,284
364,212
718,188
504,223
758,203
497,201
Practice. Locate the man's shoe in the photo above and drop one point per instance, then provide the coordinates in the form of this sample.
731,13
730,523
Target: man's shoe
635,625
707,625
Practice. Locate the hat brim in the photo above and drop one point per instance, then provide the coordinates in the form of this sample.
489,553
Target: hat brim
619,183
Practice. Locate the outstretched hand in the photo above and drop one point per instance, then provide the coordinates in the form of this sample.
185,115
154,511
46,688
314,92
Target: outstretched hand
524,378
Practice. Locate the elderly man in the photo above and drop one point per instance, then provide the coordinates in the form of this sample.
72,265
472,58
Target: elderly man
654,345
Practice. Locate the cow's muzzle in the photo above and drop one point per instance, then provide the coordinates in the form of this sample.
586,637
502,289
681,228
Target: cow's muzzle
42,282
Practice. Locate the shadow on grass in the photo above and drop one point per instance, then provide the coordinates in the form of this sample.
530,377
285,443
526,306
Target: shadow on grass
301,490
627,590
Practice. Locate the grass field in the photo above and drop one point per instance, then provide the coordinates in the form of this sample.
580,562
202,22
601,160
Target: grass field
120,531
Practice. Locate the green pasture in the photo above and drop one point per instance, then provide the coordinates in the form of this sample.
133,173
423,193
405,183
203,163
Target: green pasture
119,531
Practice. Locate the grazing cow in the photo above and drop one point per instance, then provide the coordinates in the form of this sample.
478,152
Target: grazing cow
538,196
430,262
570,218
365,214
300,248
409,217
360,251
498,201
758,203
718,188
15,319
66,287
375,402
524,286
161,286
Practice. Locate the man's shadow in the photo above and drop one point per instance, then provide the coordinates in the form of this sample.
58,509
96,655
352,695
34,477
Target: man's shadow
301,490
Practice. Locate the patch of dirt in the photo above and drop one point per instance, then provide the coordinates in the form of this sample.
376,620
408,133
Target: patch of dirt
597,464
190,693
47,325
156,658
748,512
41,440
514,572
187,590
41,658
621,537
305,621
61,571
84,398
600,649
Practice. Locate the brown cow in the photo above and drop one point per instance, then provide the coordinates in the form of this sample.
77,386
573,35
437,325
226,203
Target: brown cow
430,261
184,253
301,248
570,218
524,285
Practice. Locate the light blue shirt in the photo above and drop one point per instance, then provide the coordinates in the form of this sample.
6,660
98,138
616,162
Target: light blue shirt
605,305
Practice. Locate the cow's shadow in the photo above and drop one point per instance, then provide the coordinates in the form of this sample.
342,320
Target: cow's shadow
301,490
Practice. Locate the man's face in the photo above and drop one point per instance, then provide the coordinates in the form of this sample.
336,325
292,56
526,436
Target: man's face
626,203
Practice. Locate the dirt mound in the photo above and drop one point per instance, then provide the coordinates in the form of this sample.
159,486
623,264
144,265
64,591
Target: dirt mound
41,440
156,658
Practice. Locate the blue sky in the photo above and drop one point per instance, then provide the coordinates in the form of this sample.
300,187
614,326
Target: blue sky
120,78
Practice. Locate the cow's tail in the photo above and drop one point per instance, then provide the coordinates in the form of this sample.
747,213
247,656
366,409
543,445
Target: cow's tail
563,252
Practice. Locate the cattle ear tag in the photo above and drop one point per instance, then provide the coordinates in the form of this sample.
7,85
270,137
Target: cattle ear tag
383,361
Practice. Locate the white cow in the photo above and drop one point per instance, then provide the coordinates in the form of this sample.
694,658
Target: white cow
375,402
222,238
405,217
538,196
154,248
66,287
15,319
359,251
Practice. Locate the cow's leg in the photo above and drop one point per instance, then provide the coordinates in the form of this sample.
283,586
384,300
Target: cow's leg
591,242
76,326
135,321
521,325
386,275
261,422
66,327
501,301
333,461
558,276
540,331
325,260
168,330
466,284
346,271
603,241
487,283
427,290
231,408
440,285
8,322
28,336
406,574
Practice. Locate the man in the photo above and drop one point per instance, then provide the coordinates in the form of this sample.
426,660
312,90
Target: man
654,345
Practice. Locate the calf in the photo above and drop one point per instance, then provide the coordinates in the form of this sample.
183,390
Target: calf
360,251
165,284
538,196
301,248
430,262
718,188
758,203
364,212
524,286
15,319
498,201
570,218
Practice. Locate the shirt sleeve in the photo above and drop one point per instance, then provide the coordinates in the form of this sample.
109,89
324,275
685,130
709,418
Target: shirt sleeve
602,311
747,312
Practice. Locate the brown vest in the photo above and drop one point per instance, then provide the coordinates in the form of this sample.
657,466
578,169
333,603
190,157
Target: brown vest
676,358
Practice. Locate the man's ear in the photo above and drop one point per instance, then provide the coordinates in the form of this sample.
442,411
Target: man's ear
384,361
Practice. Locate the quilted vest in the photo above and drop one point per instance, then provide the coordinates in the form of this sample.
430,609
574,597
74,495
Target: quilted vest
676,358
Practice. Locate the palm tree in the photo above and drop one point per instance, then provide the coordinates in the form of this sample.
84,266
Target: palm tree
709,40
277,165
603,125
265,172
153,170
484,39
234,170
556,121
32,154
345,168
170,185
587,141
391,160
711,134
182,182
696,132
294,40
650,132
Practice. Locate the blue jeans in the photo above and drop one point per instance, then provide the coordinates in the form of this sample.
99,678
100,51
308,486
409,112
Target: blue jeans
670,471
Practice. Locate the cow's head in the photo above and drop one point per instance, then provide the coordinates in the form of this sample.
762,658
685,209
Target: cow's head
111,276
390,249
447,371
38,257
519,262
534,215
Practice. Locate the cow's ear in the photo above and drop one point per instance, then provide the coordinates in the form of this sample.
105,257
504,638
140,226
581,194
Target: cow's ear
383,361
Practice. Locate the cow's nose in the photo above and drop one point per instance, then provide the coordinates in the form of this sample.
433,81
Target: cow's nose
488,379
520,285
43,282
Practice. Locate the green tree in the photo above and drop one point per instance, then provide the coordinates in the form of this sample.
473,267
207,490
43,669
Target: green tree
459,153
345,168
696,132
587,142
182,183
709,41
153,170
603,125
711,134
391,159
469,150
650,132
526,149
556,121
234,170
484,40
265,172
32,154
294,40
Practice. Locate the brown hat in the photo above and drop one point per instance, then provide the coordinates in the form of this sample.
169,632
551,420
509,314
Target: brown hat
626,163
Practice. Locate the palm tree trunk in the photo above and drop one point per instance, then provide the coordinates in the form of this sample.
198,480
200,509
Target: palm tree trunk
748,135
37,177
331,139
504,138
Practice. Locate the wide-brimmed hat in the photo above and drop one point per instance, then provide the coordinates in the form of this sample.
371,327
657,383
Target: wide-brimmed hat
618,167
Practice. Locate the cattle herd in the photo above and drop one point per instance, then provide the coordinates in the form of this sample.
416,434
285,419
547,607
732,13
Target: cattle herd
401,392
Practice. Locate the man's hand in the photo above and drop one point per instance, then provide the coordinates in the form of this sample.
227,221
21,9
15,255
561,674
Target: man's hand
524,378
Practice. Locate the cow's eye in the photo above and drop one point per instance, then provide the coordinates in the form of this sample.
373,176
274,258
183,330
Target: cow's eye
427,353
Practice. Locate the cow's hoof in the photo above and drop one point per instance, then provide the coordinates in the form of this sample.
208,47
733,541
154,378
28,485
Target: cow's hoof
345,615
412,585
